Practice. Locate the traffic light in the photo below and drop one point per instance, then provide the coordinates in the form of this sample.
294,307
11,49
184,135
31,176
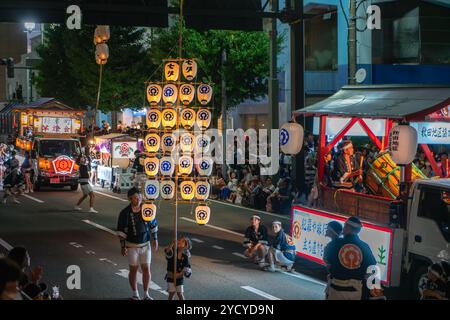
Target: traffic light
9,63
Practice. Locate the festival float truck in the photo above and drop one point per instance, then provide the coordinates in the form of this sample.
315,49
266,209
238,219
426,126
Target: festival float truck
406,216
51,130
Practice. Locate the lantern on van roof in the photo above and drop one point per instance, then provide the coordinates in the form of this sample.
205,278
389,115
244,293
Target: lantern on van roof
291,138
152,142
187,189
203,118
204,93
202,143
170,94
403,144
151,189
101,53
189,67
168,142
166,166
187,118
185,165
151,166
153,118
167,189
204,166
202,214
154,93
148,211
202,189
171,71
187,142
187,92
169,118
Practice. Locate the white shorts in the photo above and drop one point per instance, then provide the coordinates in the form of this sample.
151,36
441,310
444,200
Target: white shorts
139,256
86,188
172,288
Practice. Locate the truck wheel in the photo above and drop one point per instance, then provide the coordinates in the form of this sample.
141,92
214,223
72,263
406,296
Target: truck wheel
419,271
74,187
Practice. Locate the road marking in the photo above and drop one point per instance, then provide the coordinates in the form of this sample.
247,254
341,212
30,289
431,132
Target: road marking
108,261
76,245
5,244
33,198
197,240
110,196
305,277
124,273
251,209
90,252
260,293
100,227
240,255
217,247
214,227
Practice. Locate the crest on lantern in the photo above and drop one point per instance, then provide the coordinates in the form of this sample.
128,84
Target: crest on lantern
202,190
187,189
151,166
166,166
187,92
187,118
203,119
202,214
187,142
148,212
204,93
189,67
152,142
151,189
167,189
154,93
185,165
171,71
169,118
170,94
202,143
205,166
153,118
291,138
168,142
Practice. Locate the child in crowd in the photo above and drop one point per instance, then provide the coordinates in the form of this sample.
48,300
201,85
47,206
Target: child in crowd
183,267
432,286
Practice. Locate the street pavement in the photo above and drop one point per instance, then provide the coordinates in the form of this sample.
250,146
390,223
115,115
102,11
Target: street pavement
58,237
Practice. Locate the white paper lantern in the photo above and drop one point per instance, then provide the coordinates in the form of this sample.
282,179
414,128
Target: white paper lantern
168,142
166,166
152,142
189,69
205,166
202,143
169,118
203,118
148,211
187,92
187,141
101,34
202,189
403,144
204,93
154,94
167,189
291,138
170,94
187,189
185,165
151,189
153,118
151,166
171,71
202,214
187,118
101,53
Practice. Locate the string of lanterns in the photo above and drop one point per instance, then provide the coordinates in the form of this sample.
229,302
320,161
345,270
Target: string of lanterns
178,103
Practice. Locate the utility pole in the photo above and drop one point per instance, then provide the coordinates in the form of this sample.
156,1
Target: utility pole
352,43
224,112
273,80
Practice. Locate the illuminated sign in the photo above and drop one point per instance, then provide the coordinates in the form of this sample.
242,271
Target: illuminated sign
432,132
308,232
63,165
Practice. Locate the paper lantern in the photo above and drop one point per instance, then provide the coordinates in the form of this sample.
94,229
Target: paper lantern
170,94
189,69
403,144
101,34
202,214
187,118
202,143
152,142
291,138
187,142
101,53
151,189
166,166
187,92
153,118
167,189
171,71
185,165
202,189
169,118
151,166
148,211
203,119
187,189
154,94
205,166
168,142
204,93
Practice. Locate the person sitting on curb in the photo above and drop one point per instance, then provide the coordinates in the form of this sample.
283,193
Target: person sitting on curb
256,241
282,251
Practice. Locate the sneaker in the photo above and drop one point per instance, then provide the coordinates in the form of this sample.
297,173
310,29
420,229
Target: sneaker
270,269
135,298
26,191
289,268
31,191
77,208
263,265
148,298
92,210
4,201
